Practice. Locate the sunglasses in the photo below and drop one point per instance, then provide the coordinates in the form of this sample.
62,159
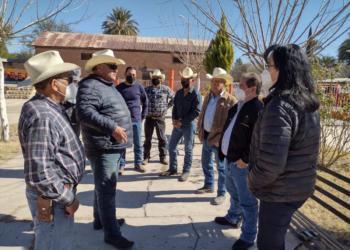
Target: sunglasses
111,66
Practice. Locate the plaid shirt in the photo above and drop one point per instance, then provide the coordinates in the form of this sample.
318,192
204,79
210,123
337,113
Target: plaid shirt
53,154
158,102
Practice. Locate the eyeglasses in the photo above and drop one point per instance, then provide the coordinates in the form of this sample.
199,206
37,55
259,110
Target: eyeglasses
111,66
268,66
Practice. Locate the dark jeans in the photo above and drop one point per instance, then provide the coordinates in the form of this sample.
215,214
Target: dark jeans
243,203
105,167
137,133
150,124
274,219
208,166
187,132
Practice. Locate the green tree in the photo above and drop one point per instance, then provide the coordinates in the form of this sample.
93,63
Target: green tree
328,62
238,69
311,47
120,23
344,51
4,53
221,52
51,25
23,54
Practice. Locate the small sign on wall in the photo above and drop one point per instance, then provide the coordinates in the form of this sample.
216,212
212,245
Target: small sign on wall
15,75
146,74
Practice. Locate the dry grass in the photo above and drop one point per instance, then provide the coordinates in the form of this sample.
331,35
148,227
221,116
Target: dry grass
335,226
10,148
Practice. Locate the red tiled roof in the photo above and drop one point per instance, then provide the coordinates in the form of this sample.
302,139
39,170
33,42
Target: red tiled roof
117,42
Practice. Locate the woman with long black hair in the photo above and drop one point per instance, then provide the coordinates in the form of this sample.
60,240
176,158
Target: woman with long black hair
285,143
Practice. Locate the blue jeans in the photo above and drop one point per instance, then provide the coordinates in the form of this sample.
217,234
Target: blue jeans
208,168
274,219
55,235
105,168
187,131
137,130
243,203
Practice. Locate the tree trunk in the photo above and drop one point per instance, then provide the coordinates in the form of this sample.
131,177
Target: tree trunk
5,127
199,81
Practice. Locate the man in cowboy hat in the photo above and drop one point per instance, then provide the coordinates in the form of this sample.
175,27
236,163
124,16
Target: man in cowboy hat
234,146
160,98
107,130
188,103
74,78
211,121
135,96
54,158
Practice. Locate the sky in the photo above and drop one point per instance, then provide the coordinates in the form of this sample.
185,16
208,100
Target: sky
156,18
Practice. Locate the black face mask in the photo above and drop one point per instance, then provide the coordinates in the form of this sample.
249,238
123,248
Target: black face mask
130,79
185,84
155,82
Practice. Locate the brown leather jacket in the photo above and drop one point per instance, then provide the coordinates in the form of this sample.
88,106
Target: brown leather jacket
222,107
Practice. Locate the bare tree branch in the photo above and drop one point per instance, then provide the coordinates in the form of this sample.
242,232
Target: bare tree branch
276,22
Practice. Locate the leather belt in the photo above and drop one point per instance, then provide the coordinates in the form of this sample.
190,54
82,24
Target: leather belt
156,117
68,186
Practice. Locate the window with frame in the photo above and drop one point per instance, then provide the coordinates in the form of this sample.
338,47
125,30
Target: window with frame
86,56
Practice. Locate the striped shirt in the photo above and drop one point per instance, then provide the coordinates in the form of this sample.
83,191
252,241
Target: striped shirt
53,154
158,102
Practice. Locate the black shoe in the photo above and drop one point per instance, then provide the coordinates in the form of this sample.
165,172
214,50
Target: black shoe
121,222
98,226
241,245
121,171
204,190
223,221
168,173
120,242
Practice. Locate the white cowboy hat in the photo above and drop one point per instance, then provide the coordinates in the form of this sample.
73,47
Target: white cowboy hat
222,74
75,74
157,73
99,57
187,73
43,66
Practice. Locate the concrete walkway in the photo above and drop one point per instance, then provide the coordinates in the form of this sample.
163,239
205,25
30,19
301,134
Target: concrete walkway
161,213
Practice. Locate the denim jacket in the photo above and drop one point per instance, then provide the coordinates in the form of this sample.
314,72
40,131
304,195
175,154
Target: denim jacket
187,108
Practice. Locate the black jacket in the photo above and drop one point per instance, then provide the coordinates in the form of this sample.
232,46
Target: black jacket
242,130
283,153
100,109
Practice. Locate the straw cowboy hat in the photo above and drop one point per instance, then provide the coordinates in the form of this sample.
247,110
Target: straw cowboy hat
157,73
222,74
187,73
43,66
99,57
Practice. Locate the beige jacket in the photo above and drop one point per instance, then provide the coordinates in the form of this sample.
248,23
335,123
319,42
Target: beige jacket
222,107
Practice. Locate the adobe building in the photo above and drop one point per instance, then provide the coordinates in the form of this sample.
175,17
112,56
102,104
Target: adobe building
144,53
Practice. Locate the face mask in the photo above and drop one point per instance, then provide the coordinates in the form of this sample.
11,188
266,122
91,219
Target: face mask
266,78
240,94
130,79
71,91
185,84
155,82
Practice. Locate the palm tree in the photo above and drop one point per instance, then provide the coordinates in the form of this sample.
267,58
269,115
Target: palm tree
328,61
119,23
344,51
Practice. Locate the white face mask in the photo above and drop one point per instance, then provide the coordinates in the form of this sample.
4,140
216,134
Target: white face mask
240,94
71,91
266,78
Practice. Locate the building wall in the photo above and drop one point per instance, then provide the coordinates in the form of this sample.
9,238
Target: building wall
138,59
